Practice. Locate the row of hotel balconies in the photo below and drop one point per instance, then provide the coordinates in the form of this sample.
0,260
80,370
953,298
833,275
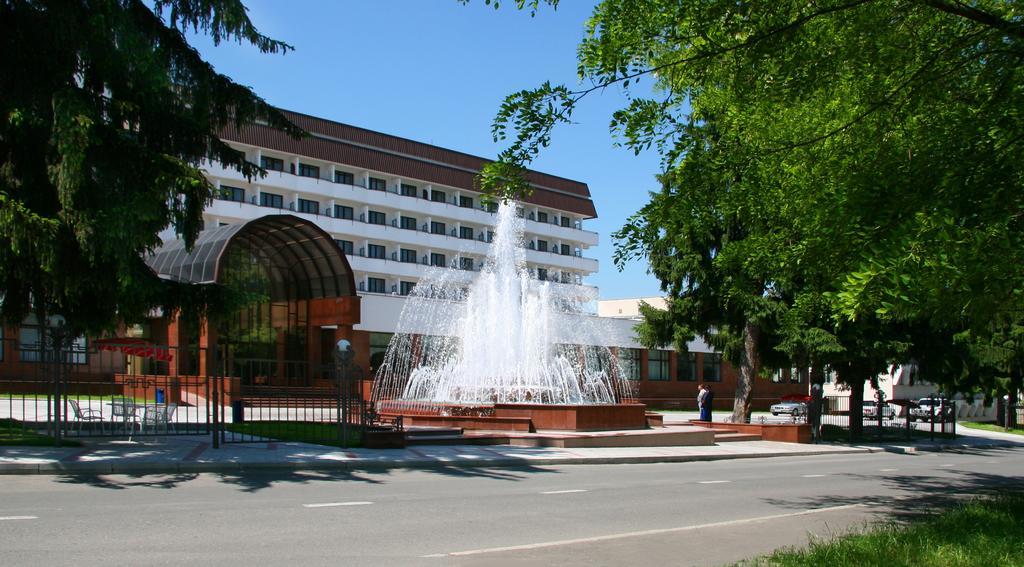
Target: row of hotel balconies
392,198
359,229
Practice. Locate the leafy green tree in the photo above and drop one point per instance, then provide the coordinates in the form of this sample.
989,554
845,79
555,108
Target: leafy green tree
890,131
106,116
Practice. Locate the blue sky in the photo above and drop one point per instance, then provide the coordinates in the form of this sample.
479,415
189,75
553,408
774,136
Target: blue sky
436,71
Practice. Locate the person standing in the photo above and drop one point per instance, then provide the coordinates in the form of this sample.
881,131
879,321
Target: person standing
709,396
702,394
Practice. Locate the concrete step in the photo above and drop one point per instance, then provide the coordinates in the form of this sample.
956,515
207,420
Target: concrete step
458,440
428,432
725,437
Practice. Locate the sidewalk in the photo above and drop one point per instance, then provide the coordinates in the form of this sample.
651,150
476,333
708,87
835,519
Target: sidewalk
194,454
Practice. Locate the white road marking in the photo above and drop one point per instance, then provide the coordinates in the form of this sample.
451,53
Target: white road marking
6,518
563,491
946,465
333,504
888,470
713,481
645,532
814,475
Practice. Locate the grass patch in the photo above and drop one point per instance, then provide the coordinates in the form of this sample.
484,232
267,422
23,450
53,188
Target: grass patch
300,431
77,397
990,427
982,532
870,433
15,433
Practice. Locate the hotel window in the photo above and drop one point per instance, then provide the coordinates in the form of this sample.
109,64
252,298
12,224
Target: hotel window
629,363
375,285
492,207
272,163
542,217
436,227
344,177
346,246
377,217
490,235
309,170
378,348
407,256
30,347
466,264
438,196
343,212
466,232
408,190
376,251
236,194
405,288
408,223
795,376
542,274
308,206
466,202
378,184
542,245
567,222
566,251
686,367
712,367
437,260
657,365
271,200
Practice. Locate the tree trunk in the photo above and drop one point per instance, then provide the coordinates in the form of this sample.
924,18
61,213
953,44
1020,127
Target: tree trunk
856,417
1012,398
748,371
817,386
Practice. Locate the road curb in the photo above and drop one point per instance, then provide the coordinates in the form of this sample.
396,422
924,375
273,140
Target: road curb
59,468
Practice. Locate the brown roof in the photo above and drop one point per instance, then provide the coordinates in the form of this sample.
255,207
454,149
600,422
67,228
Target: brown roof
341,143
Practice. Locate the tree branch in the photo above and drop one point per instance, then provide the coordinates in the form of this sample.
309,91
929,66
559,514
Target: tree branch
982,17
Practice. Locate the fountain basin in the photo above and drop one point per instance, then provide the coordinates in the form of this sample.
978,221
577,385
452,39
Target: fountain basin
533,417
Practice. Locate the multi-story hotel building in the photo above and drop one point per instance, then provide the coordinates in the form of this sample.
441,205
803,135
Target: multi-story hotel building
397,206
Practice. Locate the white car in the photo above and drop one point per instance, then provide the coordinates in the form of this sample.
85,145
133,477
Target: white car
794,409
871,410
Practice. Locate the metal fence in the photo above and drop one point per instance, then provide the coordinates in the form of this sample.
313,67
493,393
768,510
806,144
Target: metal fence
888,420
127,389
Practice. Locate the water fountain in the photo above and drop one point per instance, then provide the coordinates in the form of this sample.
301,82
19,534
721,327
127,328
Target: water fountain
505,346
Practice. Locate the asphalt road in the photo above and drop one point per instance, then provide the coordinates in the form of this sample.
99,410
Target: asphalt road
702,513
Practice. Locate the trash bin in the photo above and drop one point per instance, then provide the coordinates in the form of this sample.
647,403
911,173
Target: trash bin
237,411
159,396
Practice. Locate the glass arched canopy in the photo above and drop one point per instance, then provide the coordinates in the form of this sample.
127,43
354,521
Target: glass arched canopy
300,260
282,263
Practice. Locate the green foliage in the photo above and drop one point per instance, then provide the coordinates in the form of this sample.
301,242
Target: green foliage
845,174
982,532
106,115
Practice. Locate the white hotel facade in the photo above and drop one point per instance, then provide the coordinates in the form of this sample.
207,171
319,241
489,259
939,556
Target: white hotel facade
398,207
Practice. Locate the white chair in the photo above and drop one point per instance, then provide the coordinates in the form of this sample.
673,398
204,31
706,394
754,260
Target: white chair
126,412
86,415
158,415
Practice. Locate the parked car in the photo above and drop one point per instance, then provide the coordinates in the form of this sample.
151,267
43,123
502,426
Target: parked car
871,410
794,409
931,409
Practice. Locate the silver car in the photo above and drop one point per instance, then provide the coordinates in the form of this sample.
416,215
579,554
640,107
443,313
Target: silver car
871,410
794,409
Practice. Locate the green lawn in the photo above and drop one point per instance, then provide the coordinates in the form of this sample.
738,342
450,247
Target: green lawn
12,433
835,433
316,433
4,397
990,427
983,532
